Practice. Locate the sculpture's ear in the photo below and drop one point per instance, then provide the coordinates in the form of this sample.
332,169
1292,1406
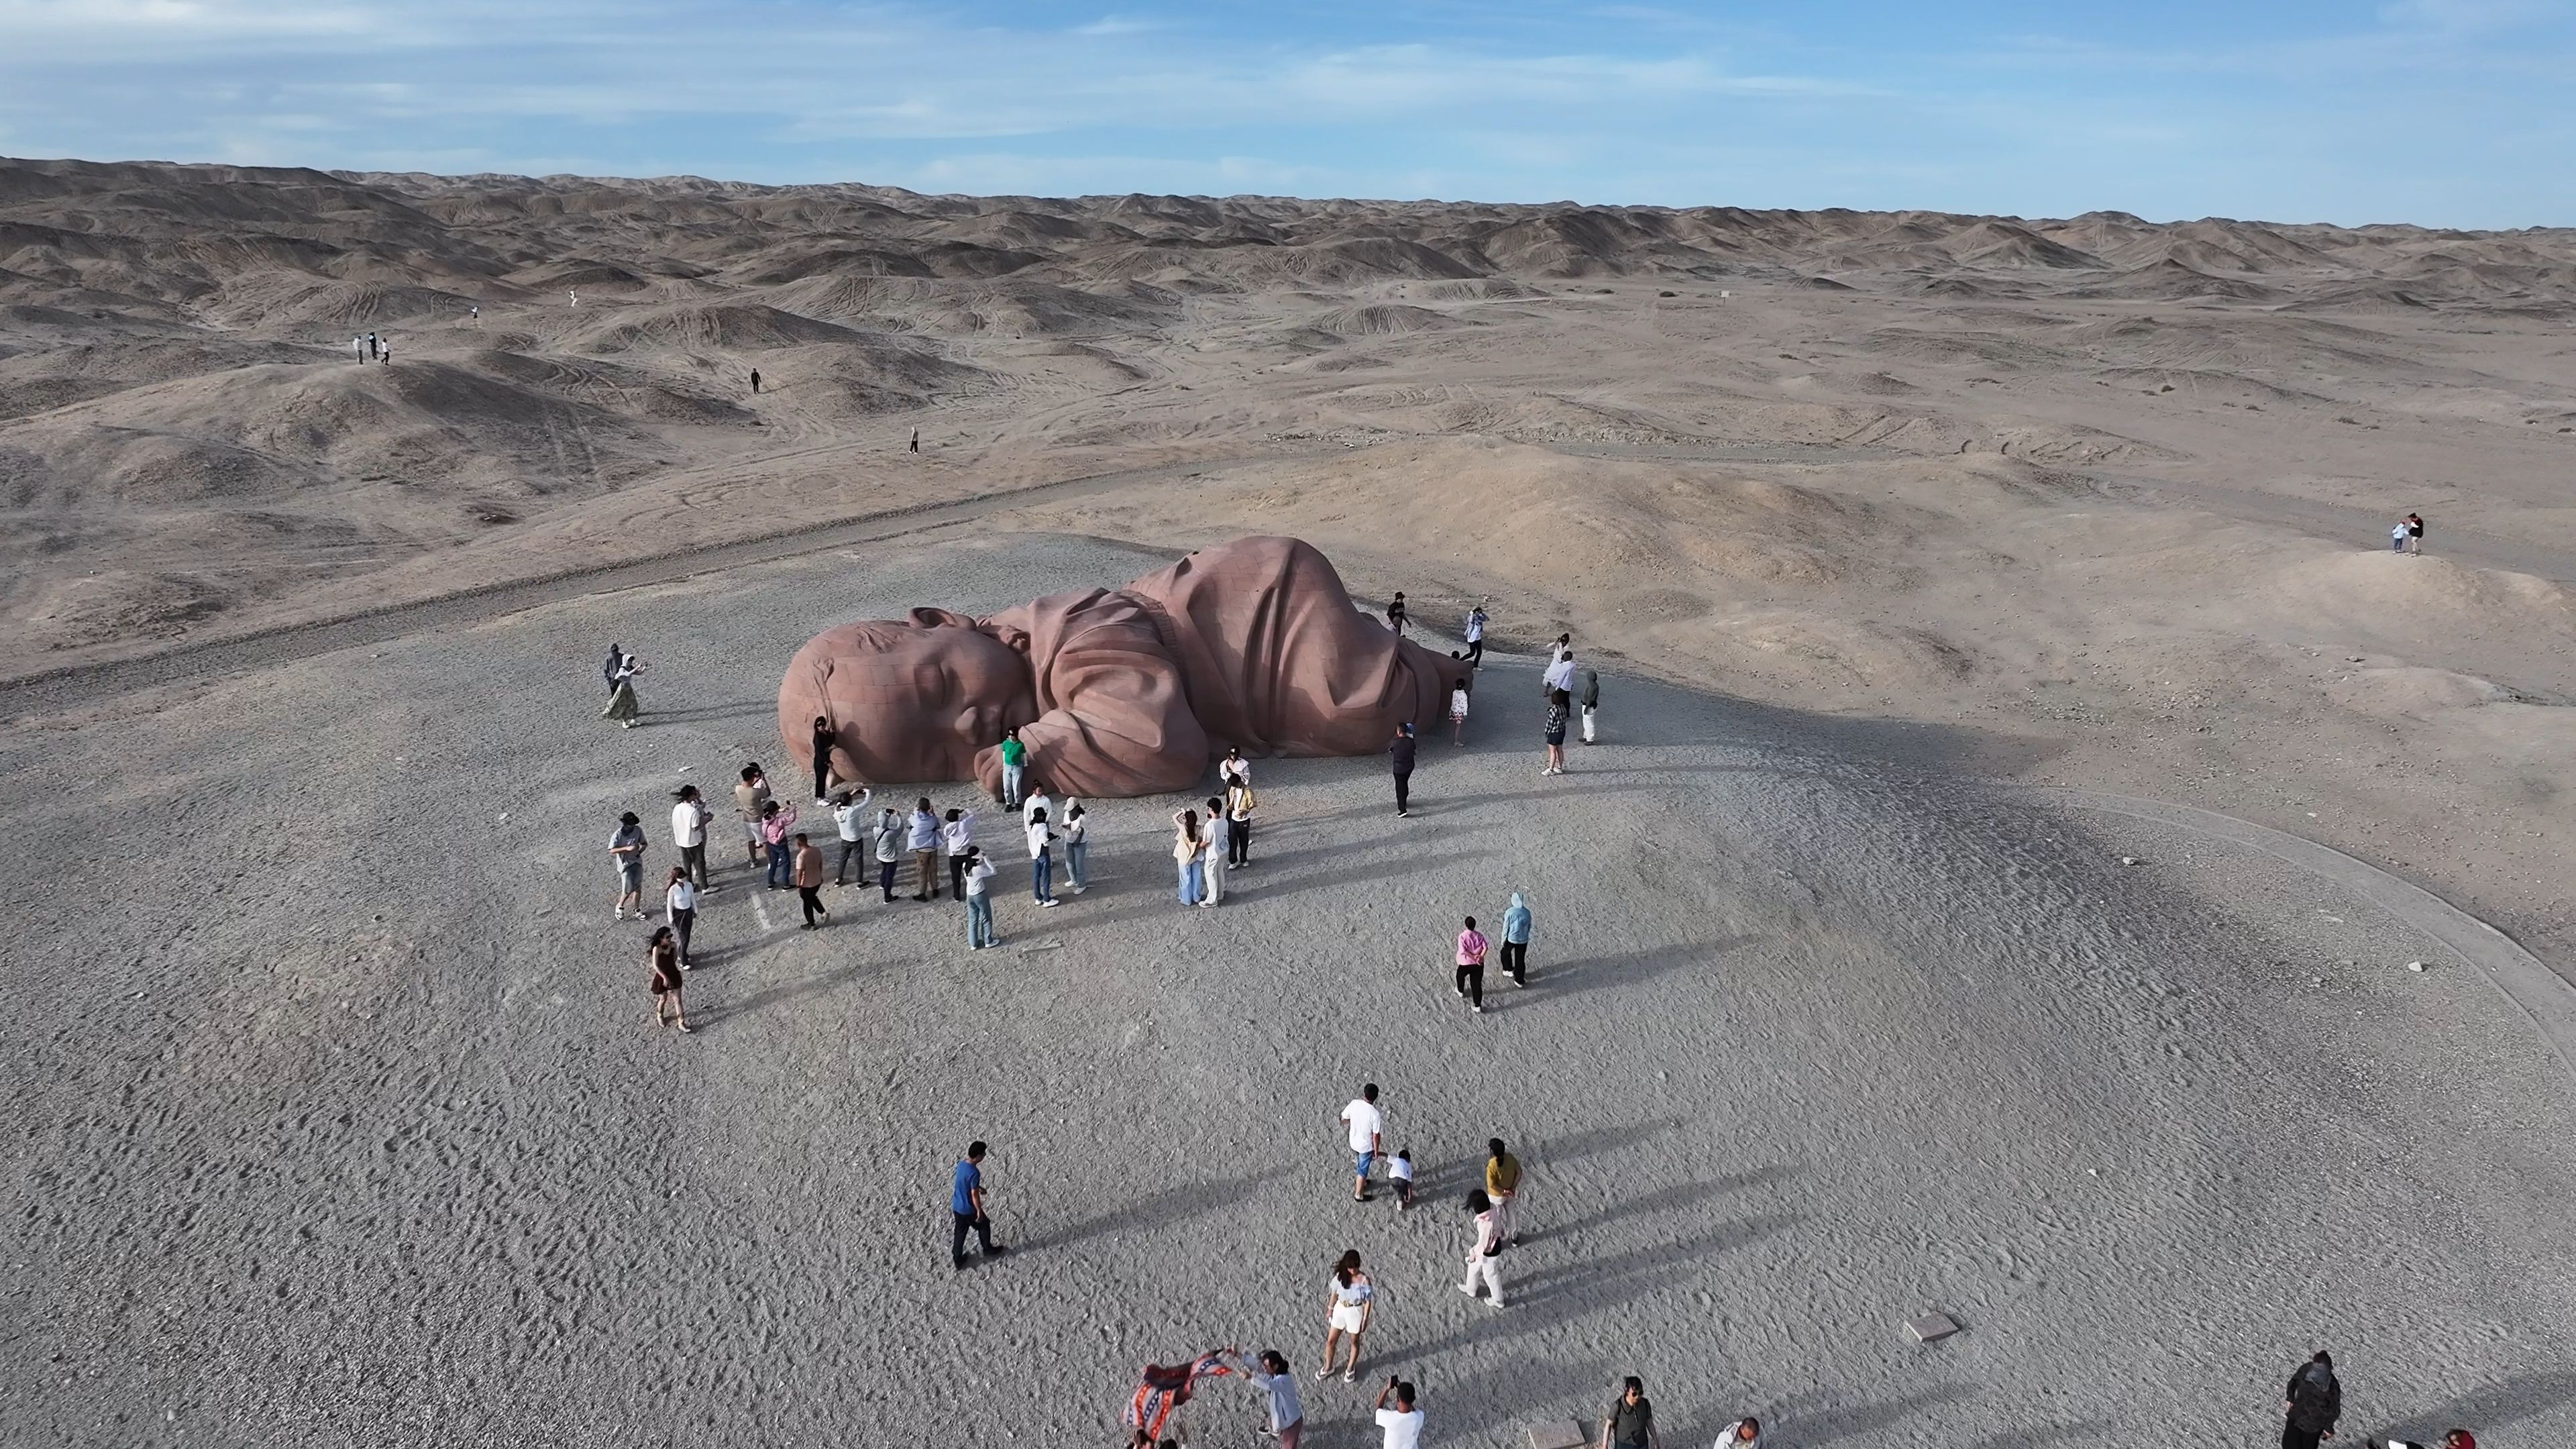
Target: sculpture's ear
1012,636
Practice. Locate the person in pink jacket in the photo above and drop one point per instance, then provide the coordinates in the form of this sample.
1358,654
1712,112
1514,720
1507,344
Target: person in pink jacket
1471,966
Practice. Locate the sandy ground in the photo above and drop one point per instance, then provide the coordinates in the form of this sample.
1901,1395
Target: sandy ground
2108,496
341,1119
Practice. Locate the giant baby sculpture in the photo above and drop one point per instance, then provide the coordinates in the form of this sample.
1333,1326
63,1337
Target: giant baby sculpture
1125,691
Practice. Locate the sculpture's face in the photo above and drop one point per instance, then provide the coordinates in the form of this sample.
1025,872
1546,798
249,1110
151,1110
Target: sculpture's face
931,695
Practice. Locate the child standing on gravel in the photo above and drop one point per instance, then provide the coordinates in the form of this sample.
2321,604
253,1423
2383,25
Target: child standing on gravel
1458,714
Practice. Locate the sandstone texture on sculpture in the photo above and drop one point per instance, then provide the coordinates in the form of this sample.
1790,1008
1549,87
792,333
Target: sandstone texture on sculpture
1127,691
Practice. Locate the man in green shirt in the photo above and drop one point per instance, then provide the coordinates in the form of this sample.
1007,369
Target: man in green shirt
1015,759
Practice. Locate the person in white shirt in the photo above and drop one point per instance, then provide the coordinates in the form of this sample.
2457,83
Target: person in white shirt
1077,849
1367,1127
1560,674
689,819
1038,800
851,816
1484,1250
1476,636
1212,851
680,909
1403,1423
921,837
1458,714
978,878
1041,866
959,834
1744,1433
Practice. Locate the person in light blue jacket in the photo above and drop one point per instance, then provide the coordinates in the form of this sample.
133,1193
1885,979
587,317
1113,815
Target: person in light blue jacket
1516,934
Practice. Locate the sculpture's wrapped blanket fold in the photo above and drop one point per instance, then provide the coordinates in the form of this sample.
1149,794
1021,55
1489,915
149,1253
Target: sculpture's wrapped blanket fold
1124,691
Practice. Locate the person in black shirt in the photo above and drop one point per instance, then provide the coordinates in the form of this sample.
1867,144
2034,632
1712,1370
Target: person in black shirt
2312,1403
1399,757
1632,1419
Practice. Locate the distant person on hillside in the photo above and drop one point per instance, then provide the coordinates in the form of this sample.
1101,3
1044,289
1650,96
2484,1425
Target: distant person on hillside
916,440
662,966
1458,713
1395,612
1471,966
626,849
1587,696
360,344
2311,1404
574,294
889,841
2414,533
1516,939
374,348
622,704
1399,759
755,382
389,352
1476,636
608,669
2397,537
477,314
748,798
1558,705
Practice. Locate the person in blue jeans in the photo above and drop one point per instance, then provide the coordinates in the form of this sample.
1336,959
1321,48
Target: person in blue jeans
776,822
1041,866
1077,849
978,890
966,1206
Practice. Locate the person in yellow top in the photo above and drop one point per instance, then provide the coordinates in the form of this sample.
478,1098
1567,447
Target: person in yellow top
1503,1185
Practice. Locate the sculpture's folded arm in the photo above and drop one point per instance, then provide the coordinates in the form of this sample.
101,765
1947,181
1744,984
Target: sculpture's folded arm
1115,713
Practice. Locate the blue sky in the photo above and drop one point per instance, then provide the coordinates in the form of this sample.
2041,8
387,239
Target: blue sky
2448,112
